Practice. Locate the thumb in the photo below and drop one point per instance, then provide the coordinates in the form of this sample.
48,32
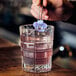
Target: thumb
37,2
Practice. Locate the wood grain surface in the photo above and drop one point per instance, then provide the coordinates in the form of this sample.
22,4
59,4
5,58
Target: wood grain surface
10,63
6,43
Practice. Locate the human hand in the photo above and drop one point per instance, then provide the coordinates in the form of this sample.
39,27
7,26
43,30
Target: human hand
59,9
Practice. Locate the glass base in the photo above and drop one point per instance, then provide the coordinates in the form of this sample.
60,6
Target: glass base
37,68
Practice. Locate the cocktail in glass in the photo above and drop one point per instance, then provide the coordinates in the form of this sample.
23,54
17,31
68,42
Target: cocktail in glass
36,48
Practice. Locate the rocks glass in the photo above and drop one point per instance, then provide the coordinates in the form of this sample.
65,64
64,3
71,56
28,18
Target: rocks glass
36,48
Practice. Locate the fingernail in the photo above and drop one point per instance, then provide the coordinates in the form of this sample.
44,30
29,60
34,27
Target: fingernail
37,2
46,17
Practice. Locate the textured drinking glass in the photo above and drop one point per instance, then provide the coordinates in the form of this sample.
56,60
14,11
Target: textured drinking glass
36,48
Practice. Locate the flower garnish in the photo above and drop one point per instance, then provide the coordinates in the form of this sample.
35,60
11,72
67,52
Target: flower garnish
40,26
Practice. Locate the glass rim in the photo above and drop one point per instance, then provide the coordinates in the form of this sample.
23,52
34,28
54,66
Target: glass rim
32,24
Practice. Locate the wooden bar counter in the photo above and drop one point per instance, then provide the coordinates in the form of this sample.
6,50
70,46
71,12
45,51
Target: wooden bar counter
10,63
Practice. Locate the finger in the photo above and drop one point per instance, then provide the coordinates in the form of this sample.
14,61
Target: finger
37,14
34,11
44,17
44,3
39,9
34,14
51,18
37,2
59,11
